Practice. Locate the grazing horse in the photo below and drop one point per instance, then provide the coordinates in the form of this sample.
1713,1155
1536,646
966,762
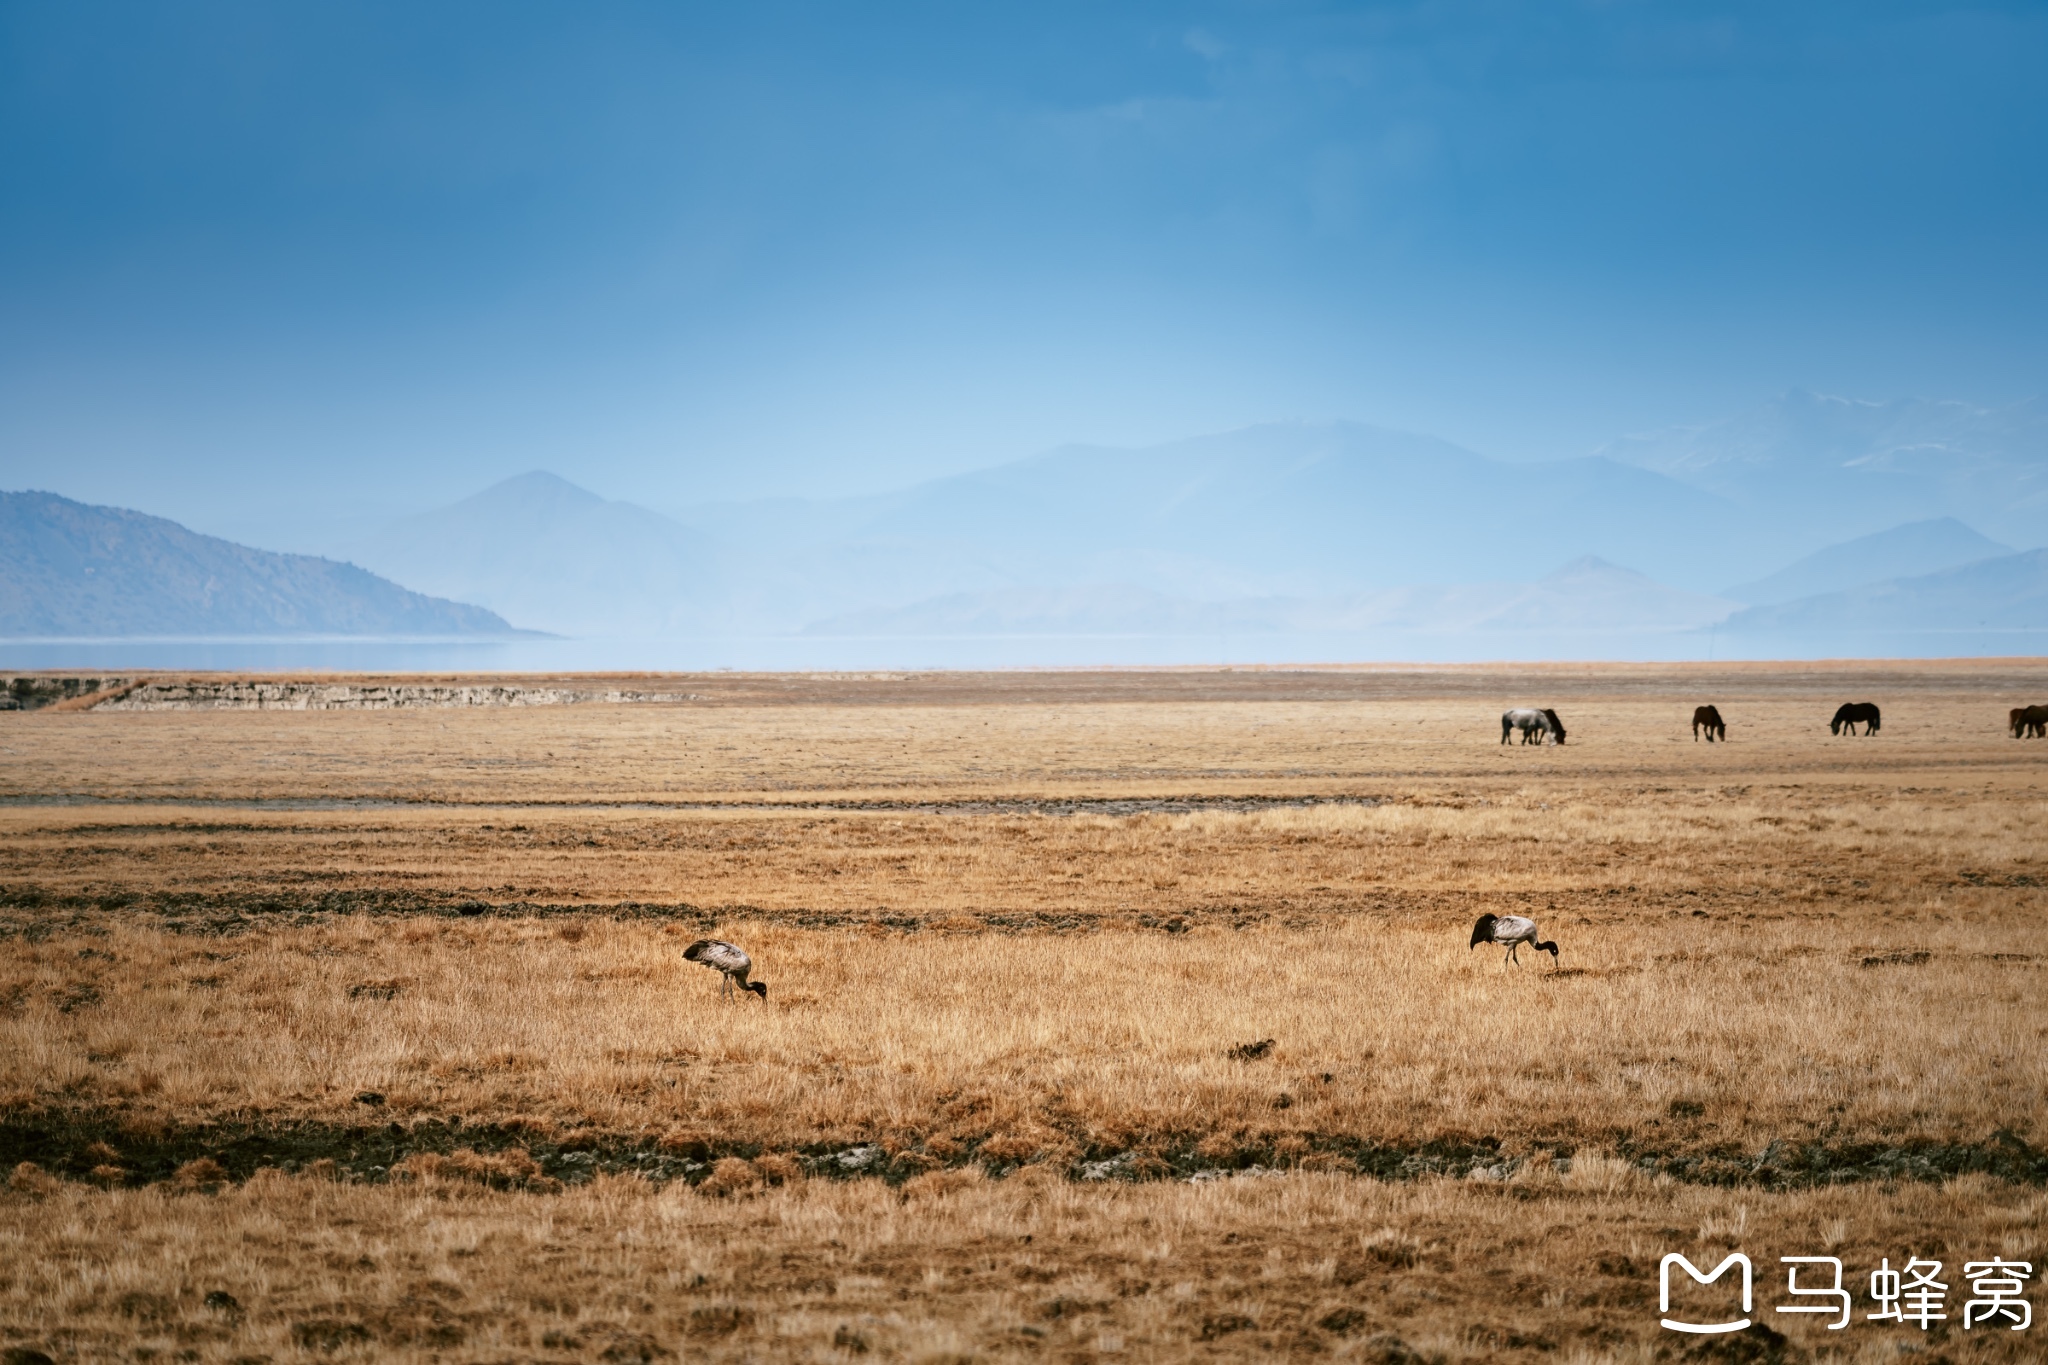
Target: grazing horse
1538,725
2030,722
1851,714
1709,717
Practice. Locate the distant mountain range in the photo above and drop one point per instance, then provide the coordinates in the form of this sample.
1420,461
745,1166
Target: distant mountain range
1298,526
1287,526
1817,509
1296,508
554,557
1918,547
2008,593
70,569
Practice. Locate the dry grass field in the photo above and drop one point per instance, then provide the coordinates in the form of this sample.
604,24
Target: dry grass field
375,1026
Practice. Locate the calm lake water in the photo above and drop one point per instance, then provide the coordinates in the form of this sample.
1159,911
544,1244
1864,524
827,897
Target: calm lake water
810,652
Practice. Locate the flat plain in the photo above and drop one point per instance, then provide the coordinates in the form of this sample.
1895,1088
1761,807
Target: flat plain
374,1026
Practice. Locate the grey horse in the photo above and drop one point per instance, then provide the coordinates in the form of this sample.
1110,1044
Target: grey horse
1539,725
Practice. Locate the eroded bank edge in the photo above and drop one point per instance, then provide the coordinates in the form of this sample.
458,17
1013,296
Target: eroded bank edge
122,1150
35,913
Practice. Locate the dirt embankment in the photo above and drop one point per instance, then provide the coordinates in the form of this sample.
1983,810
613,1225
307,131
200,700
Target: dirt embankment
35,691
249,695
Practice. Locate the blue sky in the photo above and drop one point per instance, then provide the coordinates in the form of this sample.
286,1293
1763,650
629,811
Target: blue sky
268,268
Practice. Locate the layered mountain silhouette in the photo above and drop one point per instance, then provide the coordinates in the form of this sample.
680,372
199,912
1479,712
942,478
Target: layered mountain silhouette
1857,510
553,556
1305,511
1917,547
1287,508
1294,526
71,569
2008,593
1589,594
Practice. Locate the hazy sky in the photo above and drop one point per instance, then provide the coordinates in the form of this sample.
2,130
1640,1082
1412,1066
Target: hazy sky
267,266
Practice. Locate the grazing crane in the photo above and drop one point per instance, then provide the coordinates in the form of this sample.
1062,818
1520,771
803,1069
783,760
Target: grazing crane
729,961
1514,931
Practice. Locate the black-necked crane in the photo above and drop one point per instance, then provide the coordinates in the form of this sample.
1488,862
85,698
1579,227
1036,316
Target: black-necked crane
729,961
1514,931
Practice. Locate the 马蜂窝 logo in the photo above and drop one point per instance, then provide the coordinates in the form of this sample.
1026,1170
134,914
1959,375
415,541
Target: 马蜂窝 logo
1664,1291
1915,1295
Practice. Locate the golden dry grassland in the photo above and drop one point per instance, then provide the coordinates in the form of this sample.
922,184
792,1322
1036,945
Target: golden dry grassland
418,973
955,1267
1669,1034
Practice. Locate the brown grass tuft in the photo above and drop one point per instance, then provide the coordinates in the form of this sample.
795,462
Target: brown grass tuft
30,1179
730,1175
778,1168
936,1184
514,1169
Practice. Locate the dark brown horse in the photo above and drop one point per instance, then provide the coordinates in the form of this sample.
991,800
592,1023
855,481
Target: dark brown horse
1852,714
1710,718
2030,721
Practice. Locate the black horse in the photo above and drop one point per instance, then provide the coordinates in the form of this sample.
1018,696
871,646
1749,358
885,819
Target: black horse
1708,717
1851,714
2030,722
